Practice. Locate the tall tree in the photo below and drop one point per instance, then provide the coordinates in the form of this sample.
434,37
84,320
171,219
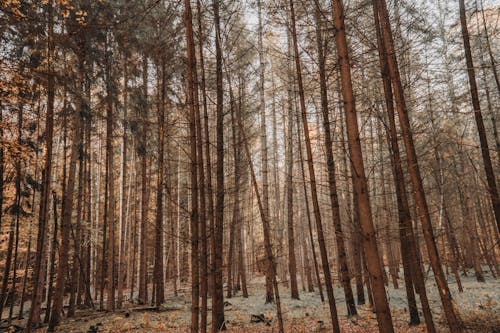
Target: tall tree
414,170
192,94
358,174
332,183
263,137
142,152
218,322
41,247
312,177
478,116
158,265
68,197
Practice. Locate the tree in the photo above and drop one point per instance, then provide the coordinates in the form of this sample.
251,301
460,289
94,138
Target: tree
358,174
312,178
416,179
478,116
218,322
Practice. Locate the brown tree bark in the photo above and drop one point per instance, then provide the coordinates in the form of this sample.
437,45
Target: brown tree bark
158,264
142,152
110,203
307,208
68,205
41,247
359,178
77,236
192,87
312,178
236,192
121,271
263,138
345,276
485,152
266,229
452,318
206,198
413,275
289,206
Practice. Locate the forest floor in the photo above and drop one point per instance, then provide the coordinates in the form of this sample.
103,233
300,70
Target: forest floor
479,306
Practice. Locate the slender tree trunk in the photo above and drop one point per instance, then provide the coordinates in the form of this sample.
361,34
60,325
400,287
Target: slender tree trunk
312,179
420,200
110,184
266,229
359,178
77,238
158,265
332,184
289,205
485,152
263,139
123,198
68,206
411,264
143,274
40,265
218,321
192,87
206,215
308,210
14,226
30,229
236,193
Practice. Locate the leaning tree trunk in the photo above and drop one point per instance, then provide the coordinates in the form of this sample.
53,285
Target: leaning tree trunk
266,228
485,151
411,263
414,170
359,178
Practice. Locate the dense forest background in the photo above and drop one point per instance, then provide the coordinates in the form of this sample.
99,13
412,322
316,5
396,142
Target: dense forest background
218,150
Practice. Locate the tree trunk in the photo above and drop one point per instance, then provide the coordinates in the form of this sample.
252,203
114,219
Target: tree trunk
485,152
359,179
121,272
192,87
345,276
77,238
158,265
263,139
411,264
289,205
236,193
205,197
41,247
110,204
312,179
142,150
68,206
420,200
266,229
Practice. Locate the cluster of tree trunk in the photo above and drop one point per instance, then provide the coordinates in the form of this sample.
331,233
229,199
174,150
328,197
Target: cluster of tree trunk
141,159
